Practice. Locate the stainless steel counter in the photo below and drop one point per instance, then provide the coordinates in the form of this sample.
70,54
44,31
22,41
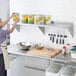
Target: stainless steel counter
13,49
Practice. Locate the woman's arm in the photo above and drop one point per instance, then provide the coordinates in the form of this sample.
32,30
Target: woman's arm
14,26
7,20
0,22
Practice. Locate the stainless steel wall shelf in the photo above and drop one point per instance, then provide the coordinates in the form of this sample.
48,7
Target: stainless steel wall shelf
65,25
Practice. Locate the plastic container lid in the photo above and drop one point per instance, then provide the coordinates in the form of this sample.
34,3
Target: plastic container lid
73,49
74,46
54,69
69,71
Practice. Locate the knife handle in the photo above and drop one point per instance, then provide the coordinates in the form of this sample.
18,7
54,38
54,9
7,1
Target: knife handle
52,39
56,41
63,41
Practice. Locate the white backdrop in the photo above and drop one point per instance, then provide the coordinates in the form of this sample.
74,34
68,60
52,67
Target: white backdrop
60,10
4,9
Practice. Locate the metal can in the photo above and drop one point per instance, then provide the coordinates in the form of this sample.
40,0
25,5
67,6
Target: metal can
24,18
47,19
39,19
16,16
31,19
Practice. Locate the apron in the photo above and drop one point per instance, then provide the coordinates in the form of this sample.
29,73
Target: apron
5,56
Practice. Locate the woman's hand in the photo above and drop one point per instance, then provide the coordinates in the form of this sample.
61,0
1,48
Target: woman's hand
16,21
14,25
13,14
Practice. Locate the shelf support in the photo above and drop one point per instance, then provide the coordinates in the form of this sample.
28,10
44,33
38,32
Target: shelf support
67,25
18,28
42,29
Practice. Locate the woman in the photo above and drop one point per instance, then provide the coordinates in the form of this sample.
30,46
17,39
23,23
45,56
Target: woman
3,34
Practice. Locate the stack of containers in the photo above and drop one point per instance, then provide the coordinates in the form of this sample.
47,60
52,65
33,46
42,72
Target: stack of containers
55,69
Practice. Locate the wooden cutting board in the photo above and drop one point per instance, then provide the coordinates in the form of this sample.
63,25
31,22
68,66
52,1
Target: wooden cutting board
44,52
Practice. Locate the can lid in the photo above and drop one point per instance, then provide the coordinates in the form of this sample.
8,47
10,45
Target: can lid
16,13
25,14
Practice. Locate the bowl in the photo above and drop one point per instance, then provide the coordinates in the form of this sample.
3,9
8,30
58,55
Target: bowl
24,45
39,46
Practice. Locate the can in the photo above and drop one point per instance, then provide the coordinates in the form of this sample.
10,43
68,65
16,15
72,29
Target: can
39,19
31,19
47,19
16,16
24,18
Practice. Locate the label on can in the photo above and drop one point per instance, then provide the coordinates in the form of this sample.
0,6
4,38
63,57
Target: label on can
47,19
16,16
31,19
25,18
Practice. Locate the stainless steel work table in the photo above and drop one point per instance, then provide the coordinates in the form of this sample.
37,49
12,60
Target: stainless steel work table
13,49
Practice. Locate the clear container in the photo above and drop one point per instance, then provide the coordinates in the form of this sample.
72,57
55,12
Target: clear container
55,69
31,19
16,16
24,18
39,19
69,71
47,19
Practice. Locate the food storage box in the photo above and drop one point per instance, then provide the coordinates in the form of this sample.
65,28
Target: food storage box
39,19
24,18
69,71
55,69
31,19
16,16
47,19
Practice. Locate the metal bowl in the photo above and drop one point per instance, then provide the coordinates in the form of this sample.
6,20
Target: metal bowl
24,46
39,46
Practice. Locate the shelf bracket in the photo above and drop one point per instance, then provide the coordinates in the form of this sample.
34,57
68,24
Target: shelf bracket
42,29
18,28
